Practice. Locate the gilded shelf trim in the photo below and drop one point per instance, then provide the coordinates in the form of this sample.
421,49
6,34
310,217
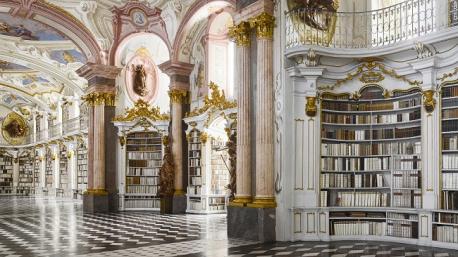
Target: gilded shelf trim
142,109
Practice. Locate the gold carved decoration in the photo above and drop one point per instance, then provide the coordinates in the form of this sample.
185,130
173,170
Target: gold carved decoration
241,33
428,100
203,137
165,140
217,101
122,140
142,109
179,96
315,20
264,25
232,151
70,154
310,107
370,68
371,77
448,75
14,129
100,98
167,171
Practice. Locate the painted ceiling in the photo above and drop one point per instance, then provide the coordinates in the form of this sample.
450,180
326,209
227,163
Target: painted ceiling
27,29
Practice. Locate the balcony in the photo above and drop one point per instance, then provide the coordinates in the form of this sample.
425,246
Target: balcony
377,29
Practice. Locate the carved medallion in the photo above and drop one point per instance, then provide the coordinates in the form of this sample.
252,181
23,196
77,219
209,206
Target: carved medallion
14,129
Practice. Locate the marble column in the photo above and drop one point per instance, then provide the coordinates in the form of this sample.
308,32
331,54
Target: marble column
264,194
101,194
179,99
241,36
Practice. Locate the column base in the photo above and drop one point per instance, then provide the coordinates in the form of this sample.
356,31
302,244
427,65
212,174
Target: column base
255,224
240,201
179,204
95,201
166,204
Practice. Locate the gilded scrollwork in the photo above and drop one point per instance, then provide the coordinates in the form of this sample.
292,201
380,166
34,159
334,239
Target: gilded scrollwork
179,96
310,107
241,33
428,100
217,102
142,109
264,25
100,98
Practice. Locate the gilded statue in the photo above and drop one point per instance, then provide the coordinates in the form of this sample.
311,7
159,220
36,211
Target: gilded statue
232,150
139,80
167,174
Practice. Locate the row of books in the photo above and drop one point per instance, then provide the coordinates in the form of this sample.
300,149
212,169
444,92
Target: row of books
450,161
195,147
145,148
407,162
152,141
194,154
450,142
145,163
362,199
370,106
352,164
365,149
402,228
141,189
195,171
449,91
216,200
400,216
360,228
219,207
447,234
351,181
450,113
371,134
142,181
196,181
365,119
143,172
142,203
445,217
143,156
450,181
195,205
144,135
406,179
407,198
194,162
450,200
449,125
195,190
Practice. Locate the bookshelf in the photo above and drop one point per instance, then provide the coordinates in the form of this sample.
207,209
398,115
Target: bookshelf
144,160
449,174
81,162
208,173
371,162
26,173
36,173
6,176
49,176
63,173
445,227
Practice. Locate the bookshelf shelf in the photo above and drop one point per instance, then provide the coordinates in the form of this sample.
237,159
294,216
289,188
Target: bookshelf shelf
81,171
370,162
49,174
6,174
36,173
26,176
144,155
64,183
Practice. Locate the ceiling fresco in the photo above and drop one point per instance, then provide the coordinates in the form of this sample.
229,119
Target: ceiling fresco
27,29
67,56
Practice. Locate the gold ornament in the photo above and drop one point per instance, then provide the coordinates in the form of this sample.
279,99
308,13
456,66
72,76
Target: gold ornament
428,100
142,109
241,34
100,98
310,107
14,129
264,25
217,101
165,140
179,96
70,154
122,140
203,137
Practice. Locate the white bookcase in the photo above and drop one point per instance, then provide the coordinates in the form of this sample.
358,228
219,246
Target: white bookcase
6,173
26,164
81,169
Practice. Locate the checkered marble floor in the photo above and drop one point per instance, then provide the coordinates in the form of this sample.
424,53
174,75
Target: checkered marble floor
57,227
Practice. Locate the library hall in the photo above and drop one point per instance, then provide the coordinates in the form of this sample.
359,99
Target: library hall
214,128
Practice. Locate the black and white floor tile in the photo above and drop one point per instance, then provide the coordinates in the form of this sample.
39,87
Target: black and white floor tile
58,228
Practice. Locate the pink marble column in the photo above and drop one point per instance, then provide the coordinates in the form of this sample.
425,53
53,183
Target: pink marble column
99,146
264,195
241,36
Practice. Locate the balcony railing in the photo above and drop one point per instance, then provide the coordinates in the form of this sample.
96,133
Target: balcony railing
383,27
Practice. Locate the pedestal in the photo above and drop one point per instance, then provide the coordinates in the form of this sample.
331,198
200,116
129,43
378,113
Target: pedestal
95,203
166,205
179,204
255,224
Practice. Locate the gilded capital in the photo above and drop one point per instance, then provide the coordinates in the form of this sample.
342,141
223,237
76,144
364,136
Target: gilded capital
178,96
428,100
100,98
241,33
264,25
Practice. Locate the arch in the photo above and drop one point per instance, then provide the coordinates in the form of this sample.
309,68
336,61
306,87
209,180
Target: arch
59,19
188,20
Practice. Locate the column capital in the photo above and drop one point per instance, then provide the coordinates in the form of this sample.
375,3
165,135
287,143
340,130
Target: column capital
178,95
264,25
100,98
241,34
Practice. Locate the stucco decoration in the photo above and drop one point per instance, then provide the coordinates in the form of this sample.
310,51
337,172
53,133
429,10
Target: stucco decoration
14,129
142,79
